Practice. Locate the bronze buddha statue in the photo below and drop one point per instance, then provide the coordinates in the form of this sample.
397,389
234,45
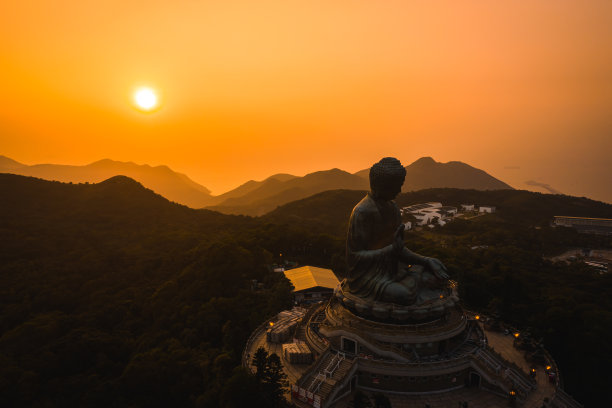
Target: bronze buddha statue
381,268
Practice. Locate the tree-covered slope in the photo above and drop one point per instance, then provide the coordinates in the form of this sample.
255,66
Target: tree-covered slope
110,295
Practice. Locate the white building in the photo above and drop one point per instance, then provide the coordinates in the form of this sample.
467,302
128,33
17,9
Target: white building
486,209
467,207
448,211
426,213
426,217
420,207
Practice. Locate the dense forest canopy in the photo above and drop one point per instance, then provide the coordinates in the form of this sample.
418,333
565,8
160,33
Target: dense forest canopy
112,296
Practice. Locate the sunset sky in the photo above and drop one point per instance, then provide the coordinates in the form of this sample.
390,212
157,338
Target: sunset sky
521,89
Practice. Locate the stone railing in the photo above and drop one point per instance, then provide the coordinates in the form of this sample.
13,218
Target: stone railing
326,372
560,399
314,368
314,339
256,333
512,365
312,311
333,394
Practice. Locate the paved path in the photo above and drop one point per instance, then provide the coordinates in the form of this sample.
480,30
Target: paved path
503,344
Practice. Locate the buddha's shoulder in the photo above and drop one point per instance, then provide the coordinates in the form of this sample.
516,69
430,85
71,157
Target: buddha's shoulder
367,206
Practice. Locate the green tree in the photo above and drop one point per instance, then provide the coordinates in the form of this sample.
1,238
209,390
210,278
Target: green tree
241,390
260,360
275,379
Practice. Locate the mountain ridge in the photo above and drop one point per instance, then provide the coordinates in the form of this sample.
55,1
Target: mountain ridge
162,179
425,172
422,173
256,197
273,193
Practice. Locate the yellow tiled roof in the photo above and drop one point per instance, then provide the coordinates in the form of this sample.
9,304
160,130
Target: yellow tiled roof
308,277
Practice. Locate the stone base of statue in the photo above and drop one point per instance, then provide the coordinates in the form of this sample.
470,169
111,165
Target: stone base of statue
429,348
431,304
439,360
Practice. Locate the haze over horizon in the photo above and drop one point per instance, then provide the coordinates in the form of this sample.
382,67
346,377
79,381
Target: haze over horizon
520,90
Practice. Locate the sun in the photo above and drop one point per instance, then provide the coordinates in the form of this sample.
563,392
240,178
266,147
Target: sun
146,99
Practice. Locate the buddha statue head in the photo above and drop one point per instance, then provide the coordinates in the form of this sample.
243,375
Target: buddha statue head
386,178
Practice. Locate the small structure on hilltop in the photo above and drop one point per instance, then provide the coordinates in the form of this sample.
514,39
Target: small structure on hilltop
312,284
585,225
486,209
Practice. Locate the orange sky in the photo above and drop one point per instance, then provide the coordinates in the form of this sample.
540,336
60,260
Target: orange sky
252,88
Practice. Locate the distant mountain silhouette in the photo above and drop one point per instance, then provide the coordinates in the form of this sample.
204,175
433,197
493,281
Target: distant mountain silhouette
161,179
274,191
251,186
428,173
258,198
10,164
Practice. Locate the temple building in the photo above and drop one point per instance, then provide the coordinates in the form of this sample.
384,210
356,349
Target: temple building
311,284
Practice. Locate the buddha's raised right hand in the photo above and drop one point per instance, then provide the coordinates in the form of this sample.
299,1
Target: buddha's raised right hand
398,241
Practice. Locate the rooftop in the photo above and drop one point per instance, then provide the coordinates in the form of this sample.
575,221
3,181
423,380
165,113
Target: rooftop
308,277
583,218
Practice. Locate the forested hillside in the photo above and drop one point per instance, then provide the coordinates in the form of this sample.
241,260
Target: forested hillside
112,296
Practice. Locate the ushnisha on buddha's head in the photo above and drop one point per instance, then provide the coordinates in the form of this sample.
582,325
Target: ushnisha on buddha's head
386,178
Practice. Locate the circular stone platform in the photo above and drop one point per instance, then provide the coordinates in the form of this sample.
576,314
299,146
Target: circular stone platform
389,312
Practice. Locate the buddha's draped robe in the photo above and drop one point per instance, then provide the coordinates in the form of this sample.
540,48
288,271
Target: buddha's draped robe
372,263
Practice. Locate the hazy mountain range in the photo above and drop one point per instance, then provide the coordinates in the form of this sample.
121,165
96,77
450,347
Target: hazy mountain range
161,179
423,173
257,197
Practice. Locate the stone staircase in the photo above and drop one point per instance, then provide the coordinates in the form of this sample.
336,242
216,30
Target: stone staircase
333,371
337,380
506,378
467,347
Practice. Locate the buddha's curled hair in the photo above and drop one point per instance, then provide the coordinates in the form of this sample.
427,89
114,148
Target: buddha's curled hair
387,171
